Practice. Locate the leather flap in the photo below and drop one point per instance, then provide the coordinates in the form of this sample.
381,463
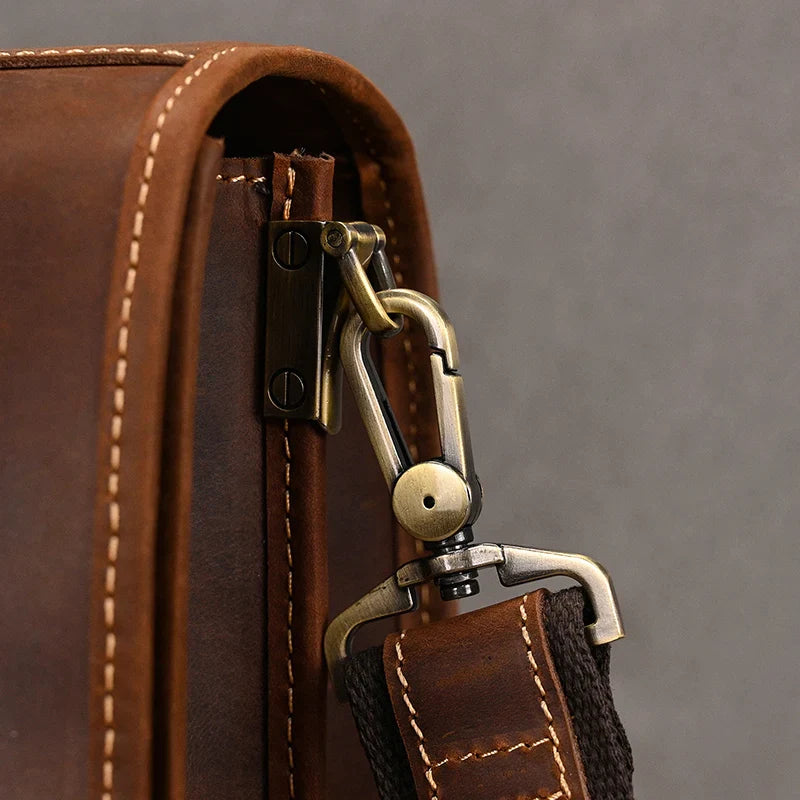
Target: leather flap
99,149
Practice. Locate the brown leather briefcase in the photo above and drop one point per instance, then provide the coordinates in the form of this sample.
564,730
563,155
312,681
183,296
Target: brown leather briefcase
198,240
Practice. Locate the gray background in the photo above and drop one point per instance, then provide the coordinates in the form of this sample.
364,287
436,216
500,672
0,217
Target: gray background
615,190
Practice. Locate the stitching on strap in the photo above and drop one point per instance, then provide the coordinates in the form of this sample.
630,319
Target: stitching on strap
412,719
287,210
543,702
490,753
413,716
115,455
94,50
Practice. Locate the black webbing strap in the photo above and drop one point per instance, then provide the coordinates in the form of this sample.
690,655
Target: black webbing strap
380,736
584,674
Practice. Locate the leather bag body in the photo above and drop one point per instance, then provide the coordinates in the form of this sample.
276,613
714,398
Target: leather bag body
172,554
166,584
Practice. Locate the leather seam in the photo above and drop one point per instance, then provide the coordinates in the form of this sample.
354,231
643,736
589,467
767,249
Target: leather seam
118,409
95,50
490,753
408,346
433,791
287,211
553,736
242,179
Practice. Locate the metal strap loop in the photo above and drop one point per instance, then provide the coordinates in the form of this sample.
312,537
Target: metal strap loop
364,297
355,245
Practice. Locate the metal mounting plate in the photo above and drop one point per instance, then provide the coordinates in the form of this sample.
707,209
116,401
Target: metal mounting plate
300,380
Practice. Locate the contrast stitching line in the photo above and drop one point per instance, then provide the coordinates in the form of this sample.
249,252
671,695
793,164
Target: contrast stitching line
543,703
115,457
412,719
80,51
413,389
433,790
241,179
490,753
290,606
291,174
287,210
400,278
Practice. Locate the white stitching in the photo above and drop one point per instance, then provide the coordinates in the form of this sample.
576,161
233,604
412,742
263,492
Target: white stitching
543,704
287,210
290,605
95,50
412,719
115,455
399,277
490,753
429,767
553,796
241,179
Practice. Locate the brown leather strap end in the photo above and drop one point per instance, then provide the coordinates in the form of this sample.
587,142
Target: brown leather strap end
488,721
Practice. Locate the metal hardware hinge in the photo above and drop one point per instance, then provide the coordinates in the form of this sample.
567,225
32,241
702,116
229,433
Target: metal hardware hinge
313,270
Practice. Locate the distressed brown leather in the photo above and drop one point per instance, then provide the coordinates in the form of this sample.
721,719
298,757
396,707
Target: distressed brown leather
297,546
226,624
66,147
170,685
480,707
108,178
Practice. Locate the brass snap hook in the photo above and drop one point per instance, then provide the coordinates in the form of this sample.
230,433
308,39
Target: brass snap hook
436,499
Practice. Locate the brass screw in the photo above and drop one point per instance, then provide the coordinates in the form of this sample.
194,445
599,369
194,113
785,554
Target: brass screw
286,389
291,250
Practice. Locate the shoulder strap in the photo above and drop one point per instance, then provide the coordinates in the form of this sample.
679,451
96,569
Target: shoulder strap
508,701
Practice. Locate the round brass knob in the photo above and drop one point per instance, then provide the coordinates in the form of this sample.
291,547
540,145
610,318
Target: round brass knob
431,501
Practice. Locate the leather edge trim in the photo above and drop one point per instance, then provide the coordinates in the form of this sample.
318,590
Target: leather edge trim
99,56
172,546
